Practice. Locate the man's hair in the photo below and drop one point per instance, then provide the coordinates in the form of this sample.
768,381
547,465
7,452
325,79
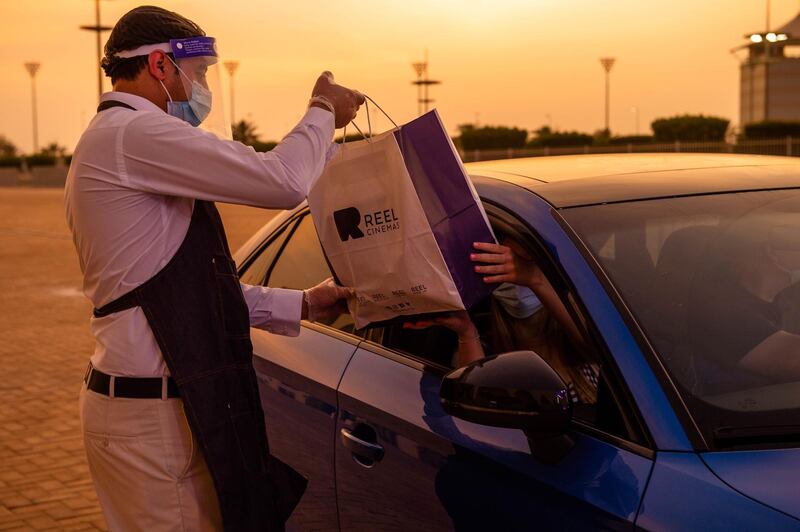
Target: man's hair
138,27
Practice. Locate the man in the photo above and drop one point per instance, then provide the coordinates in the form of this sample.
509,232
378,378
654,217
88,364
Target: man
172,420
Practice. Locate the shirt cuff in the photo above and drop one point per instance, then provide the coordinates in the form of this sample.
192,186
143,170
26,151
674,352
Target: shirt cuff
322,118
275,310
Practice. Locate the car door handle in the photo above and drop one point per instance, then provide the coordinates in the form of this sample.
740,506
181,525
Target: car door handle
366,453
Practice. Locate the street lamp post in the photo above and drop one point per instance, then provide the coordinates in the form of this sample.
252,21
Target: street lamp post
98,29
231,67
635,111
608,63
33,68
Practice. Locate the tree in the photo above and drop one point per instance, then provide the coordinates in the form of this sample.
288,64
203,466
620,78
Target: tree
7,148
246,132
690,128
491,137
53,150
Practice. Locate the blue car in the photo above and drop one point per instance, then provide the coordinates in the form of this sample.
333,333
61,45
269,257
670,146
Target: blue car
682,273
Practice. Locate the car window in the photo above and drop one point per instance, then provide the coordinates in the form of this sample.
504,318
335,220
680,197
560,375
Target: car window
256,271
575,358
301,264
720,301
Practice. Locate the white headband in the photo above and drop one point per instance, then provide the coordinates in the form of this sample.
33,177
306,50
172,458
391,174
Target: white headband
144,50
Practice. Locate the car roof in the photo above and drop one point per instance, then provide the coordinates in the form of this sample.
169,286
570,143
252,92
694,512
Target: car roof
575,180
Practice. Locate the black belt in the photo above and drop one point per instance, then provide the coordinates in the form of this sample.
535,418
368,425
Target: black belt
129,387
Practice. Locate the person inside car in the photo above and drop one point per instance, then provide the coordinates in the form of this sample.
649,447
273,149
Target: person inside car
525,313
752,299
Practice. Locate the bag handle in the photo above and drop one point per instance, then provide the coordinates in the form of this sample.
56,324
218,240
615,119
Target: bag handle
367,99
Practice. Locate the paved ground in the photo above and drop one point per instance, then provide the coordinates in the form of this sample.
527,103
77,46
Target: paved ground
44,348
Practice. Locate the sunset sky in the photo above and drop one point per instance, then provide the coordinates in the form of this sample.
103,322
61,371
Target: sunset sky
502,62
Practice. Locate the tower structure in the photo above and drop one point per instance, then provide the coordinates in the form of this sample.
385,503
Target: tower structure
770,74
423,82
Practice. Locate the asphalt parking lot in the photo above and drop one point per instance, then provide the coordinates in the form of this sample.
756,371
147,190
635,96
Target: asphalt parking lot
44,479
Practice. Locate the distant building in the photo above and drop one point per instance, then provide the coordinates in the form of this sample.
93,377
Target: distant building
770,75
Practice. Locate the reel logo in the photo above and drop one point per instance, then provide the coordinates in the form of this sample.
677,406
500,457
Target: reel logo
348,223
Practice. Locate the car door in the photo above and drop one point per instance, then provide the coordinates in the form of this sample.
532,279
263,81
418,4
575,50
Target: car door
403,463
298,376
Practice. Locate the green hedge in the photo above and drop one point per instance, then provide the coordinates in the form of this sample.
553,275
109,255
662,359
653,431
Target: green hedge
772,130
10,162
631,139
690,128
559,139
40,159
491,138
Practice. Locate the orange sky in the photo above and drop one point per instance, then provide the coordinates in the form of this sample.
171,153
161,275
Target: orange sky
504,62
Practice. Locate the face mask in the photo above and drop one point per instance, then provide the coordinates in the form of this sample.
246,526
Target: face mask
519,301
196,109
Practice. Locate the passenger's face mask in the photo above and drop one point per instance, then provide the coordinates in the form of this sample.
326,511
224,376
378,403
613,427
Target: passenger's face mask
518,301
196,109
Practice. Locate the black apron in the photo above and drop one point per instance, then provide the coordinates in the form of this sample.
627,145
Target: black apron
198,315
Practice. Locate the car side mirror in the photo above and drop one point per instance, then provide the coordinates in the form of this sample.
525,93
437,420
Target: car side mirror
515,390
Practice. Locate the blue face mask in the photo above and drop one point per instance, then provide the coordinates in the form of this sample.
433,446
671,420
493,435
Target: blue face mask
519,301
196,109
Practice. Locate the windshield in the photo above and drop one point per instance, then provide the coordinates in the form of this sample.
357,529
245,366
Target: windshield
714,281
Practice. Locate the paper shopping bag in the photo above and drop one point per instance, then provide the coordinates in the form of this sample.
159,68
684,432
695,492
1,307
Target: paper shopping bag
397,216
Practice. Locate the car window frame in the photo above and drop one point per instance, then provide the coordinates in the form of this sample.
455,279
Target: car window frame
261,247
626,405
291,225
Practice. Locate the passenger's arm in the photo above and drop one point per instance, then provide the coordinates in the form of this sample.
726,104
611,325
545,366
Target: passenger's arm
469,341
502,265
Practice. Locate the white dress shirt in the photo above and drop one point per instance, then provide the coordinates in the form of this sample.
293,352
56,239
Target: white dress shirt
129,196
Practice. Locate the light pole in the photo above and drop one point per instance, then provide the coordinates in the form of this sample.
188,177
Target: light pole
422,83
635,111
33,68
98,29
608,63
231,67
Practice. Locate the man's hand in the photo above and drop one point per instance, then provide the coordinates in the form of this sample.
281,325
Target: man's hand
325,301
345,101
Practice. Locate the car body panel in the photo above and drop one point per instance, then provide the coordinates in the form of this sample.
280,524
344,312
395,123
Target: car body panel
648,393
448,473
297,379
570,181
683,494
769,476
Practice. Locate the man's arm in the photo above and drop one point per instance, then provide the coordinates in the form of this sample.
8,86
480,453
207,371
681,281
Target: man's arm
277,310
164,155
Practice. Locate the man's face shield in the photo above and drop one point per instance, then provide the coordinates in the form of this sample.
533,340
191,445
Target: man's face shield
197,64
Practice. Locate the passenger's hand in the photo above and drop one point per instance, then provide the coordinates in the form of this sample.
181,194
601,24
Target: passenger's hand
325,301
345,101
457,321
505,265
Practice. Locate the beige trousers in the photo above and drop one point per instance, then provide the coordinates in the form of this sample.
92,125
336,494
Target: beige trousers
147,469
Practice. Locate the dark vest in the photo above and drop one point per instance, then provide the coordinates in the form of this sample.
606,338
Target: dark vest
198,315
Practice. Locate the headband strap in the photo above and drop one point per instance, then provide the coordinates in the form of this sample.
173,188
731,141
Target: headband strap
147,49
